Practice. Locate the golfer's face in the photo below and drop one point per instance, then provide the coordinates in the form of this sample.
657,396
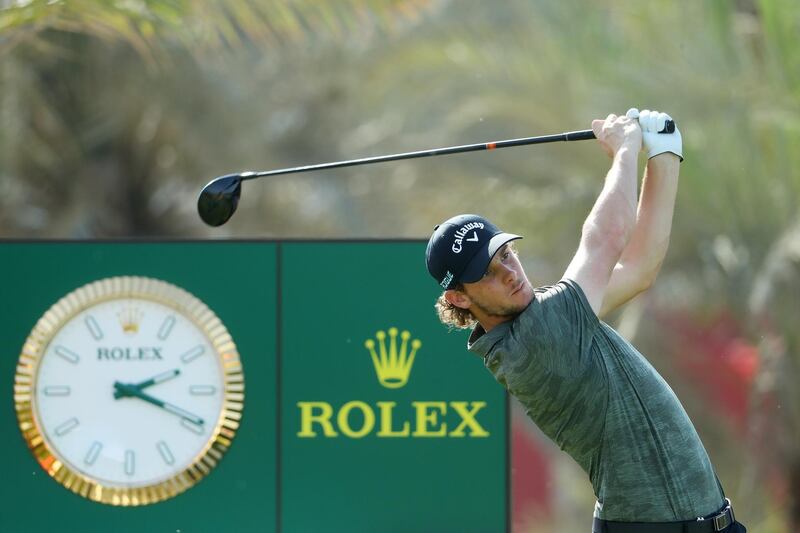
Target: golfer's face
504,290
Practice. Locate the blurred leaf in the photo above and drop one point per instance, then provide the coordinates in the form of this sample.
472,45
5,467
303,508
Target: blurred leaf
210,24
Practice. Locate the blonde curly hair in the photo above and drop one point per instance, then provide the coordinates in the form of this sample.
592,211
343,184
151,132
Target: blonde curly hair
453,316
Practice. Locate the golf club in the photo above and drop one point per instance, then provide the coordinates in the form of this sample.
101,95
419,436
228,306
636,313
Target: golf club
220,197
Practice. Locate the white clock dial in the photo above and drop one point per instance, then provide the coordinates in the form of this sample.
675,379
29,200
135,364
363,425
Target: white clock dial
136,390
123,439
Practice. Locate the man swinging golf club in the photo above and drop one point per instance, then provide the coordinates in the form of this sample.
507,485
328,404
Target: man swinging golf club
587,388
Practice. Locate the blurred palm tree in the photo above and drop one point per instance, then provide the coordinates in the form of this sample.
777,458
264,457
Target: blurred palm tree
111,110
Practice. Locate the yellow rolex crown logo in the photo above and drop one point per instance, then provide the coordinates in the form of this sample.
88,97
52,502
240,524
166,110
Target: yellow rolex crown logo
393,365
129,319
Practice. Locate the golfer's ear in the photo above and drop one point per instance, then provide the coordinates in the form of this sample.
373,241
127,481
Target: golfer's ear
457,298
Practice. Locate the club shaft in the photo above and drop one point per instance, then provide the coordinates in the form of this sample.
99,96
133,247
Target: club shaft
567,136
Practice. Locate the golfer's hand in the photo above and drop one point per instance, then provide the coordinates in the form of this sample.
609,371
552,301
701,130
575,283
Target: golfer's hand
655,143
615,132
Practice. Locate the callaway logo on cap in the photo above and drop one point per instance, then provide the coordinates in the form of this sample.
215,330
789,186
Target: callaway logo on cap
461,248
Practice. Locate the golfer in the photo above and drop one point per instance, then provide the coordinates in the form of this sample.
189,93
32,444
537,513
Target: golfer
585,386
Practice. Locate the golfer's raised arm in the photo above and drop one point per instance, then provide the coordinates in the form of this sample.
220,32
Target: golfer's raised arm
610,223
642,258
641,261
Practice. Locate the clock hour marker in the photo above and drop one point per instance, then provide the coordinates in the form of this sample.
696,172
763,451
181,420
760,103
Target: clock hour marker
94,451
191,426
69,355
57,390
166,328
67,426
202,390
193,354
94,328
130,462
165,452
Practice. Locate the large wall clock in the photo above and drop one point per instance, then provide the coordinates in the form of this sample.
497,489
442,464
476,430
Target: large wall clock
129,390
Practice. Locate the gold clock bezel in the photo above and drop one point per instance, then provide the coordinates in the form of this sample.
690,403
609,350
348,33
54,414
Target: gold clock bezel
120,288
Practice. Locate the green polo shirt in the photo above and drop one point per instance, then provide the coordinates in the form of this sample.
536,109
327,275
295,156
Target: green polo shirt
602,402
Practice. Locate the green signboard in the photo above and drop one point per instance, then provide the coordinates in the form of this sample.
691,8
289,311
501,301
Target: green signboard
359,411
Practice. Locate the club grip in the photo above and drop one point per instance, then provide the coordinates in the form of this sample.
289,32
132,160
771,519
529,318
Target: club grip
581,135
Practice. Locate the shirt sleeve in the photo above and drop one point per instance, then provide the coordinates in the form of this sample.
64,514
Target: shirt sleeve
557,330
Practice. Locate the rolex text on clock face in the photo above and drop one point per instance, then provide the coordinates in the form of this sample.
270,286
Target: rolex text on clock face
129,392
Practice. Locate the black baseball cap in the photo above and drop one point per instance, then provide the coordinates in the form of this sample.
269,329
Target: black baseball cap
461,248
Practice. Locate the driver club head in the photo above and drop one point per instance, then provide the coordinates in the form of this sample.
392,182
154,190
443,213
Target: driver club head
219,198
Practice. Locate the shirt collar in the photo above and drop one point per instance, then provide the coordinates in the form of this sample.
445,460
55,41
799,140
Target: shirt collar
480,342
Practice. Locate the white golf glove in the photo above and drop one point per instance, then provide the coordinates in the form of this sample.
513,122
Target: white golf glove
656,143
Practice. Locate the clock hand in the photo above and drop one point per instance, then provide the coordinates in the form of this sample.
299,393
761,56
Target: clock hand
127,389
174,409
160,378
164,376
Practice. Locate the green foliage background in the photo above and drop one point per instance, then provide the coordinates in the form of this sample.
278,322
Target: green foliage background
113,115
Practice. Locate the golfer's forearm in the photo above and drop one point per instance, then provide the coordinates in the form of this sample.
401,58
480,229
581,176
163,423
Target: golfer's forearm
650,238
613,217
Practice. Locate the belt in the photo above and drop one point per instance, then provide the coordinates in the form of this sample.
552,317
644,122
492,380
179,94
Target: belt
710,524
